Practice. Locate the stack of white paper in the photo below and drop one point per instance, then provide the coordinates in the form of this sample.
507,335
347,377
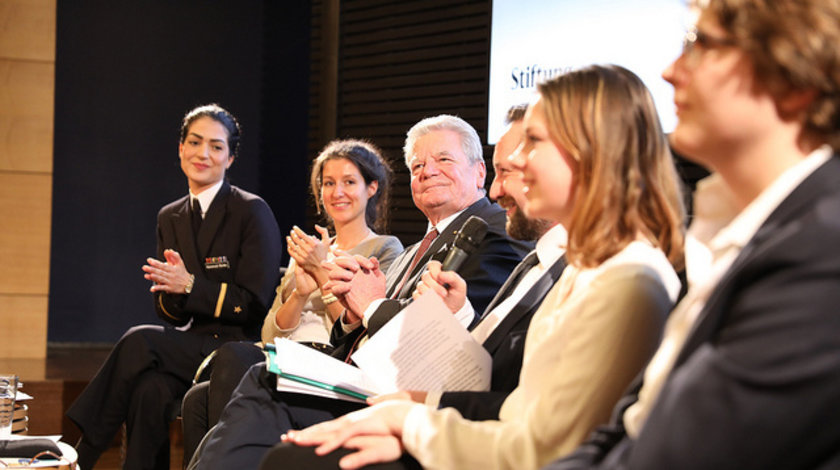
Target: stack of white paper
422,348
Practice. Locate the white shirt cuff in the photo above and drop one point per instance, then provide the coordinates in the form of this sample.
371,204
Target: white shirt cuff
466,314
370,310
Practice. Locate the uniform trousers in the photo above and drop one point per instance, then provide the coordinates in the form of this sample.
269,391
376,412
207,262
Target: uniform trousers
140,384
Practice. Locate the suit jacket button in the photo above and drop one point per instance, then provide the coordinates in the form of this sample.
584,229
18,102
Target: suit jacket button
216,335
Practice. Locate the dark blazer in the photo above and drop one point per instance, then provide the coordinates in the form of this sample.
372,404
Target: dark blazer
235,260
506,344
484,272
757,384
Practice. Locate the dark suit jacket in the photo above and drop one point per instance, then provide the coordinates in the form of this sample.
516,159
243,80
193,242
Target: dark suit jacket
236,263
485,271
757,384
506,344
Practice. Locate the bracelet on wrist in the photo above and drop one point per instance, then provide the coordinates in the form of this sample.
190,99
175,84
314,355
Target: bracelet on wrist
190,283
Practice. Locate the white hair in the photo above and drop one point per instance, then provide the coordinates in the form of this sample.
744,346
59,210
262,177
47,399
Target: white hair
470,143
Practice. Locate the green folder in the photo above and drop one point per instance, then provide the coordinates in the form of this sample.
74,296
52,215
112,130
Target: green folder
272,367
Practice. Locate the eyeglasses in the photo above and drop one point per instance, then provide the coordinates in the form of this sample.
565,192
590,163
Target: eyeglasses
696,41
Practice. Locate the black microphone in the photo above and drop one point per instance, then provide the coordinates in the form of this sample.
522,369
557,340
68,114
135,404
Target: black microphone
466,244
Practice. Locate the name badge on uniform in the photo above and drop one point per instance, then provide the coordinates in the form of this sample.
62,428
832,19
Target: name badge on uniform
216,262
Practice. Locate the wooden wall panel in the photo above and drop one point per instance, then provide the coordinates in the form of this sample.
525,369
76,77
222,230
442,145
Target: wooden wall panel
27,87
25,201
27,29
27,90
26,115
23,325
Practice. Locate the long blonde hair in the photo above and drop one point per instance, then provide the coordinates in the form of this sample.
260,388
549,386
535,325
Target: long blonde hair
625,180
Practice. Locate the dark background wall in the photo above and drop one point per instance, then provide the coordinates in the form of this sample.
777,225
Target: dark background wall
126,72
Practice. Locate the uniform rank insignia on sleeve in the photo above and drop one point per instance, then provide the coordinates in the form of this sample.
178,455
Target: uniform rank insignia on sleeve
216,262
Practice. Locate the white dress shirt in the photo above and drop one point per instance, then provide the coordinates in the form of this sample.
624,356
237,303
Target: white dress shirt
205,198
550,247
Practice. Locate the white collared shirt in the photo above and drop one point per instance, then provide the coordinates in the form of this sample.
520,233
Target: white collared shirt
716,237
550,247
444,222
205,198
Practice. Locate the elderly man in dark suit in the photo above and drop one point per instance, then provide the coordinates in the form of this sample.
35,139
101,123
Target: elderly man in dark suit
447,183
748,373
448,174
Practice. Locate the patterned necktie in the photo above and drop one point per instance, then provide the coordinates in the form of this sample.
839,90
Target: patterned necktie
421,250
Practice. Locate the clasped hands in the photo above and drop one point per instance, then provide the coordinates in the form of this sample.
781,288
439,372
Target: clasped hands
170,276
309,253
356,281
